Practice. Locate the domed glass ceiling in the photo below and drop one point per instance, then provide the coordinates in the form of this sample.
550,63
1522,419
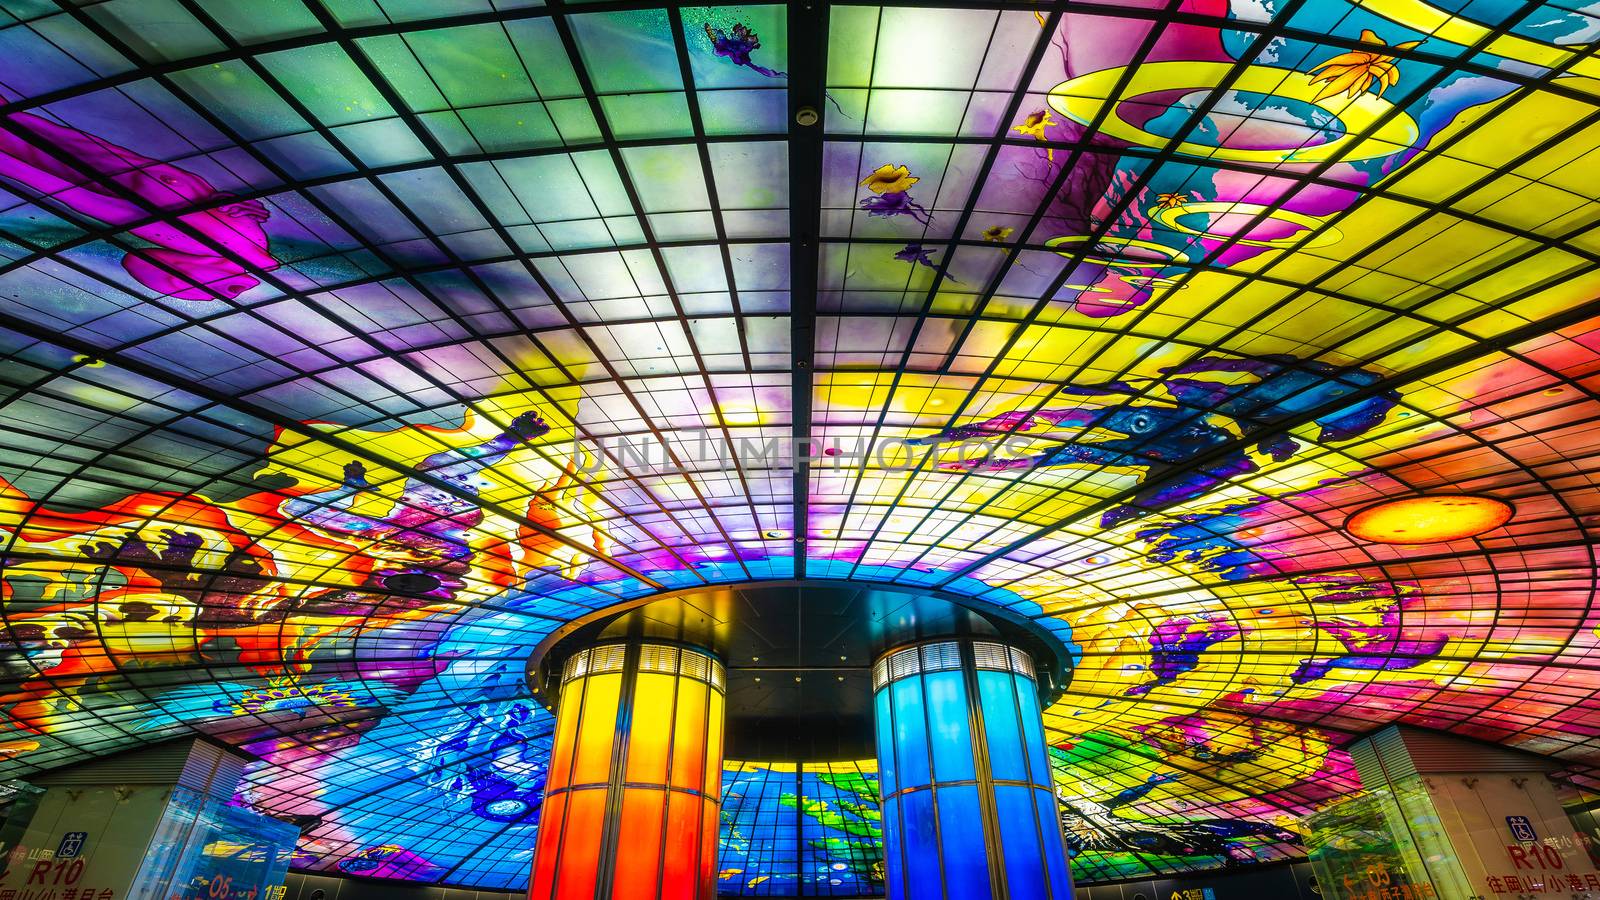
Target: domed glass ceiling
350,347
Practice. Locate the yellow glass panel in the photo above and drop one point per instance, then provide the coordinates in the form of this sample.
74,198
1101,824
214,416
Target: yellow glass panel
597,729
713,786
689,723
650,735
566,740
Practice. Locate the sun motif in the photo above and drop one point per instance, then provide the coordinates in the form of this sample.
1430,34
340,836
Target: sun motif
889,179
997,233
1172,201
282,695
1358,70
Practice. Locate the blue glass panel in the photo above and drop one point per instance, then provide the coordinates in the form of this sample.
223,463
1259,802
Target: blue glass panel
1019,841
910,733
921,845
1055,849
885,733
966,863
894,885
950,728
1033,730
1007,760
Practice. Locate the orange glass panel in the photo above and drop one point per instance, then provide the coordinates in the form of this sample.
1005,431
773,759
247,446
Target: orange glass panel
597,729
709,827
579,864
638,866
651,733
688,755
547,848
681,869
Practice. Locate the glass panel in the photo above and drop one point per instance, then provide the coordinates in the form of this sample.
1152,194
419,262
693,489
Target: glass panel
886,733
950,726
638,866
1007,758
966,857
921,838
597,729
911,750
679,873
716,718
651,735
1027,877
690,727
579,861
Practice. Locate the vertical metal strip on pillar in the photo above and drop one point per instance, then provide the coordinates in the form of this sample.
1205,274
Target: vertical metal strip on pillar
969,807
635,781
619,765
985,774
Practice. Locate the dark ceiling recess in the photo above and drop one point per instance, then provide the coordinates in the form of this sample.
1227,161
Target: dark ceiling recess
799,655
411,583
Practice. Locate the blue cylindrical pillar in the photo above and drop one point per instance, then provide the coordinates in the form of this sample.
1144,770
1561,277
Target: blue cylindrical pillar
969,811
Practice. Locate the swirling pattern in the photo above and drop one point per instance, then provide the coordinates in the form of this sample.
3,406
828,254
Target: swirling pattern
350,351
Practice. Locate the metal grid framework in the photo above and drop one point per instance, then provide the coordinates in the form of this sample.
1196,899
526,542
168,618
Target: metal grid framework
350,347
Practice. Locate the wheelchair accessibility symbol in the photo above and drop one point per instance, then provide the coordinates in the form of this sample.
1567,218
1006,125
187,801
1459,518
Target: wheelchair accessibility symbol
71,844
1521,829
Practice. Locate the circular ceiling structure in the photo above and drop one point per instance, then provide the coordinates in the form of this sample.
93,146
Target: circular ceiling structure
799,656
354,349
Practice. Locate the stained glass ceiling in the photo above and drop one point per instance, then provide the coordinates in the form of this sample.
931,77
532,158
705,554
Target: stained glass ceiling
350,347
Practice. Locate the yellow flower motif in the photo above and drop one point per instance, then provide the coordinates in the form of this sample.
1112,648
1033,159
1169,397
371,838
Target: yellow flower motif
1358,70
1034,126
890,179
1171,201
997,232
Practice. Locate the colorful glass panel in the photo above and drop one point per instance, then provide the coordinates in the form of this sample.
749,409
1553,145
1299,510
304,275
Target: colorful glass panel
351,347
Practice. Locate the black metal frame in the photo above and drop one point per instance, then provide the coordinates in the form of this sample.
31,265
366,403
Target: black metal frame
214,417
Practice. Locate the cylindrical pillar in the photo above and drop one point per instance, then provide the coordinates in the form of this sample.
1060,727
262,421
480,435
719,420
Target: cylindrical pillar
969,811
635,782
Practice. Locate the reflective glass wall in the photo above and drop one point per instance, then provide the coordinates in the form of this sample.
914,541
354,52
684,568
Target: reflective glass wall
801,829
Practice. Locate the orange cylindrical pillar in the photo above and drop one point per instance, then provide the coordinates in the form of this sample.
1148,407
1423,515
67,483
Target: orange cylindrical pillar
635,783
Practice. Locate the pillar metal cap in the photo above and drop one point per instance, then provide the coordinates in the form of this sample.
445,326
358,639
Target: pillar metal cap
669,659
943,656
